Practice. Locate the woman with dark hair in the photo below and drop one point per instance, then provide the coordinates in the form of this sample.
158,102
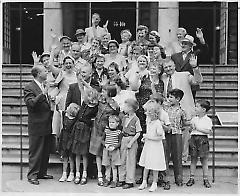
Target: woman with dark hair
114,56
107,106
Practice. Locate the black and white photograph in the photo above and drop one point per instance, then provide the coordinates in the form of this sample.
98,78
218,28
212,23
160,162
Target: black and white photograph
119,97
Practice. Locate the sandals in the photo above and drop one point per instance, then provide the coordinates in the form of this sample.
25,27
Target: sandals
83,180
167,186
206,183
100,181
190,182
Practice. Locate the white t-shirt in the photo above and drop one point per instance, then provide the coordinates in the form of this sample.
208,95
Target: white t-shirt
204,123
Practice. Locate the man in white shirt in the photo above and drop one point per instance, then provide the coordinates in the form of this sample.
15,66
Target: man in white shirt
95,30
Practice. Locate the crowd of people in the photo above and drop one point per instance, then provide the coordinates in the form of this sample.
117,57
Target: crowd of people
119,105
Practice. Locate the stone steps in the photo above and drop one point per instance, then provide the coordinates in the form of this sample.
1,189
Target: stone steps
226,137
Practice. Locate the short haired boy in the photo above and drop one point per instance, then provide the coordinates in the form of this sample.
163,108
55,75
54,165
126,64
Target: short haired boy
128,151
199,144
177,117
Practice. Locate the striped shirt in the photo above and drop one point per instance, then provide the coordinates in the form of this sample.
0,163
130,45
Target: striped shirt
112,136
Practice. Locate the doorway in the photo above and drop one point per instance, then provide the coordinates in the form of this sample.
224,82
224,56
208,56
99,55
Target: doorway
119,15
200,14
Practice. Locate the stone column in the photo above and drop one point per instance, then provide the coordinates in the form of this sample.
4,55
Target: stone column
168,20
52,22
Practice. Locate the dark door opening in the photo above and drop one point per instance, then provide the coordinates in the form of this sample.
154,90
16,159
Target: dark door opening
200,14
32,31
119,15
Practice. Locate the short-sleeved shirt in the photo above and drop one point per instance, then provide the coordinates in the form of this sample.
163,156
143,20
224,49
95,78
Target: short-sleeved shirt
112,136
176,116
204,123
131,128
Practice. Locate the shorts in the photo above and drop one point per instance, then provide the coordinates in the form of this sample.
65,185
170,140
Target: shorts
199,146
111,158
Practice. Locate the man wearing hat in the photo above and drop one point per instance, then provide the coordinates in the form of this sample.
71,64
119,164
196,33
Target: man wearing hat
95,30
80,35
182,64
66,48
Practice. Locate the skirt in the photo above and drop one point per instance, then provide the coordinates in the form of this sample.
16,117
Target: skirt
96,146
81,137
152,156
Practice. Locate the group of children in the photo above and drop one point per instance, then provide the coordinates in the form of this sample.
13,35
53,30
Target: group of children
113,137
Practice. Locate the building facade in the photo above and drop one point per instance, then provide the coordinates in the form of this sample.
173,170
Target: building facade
164,17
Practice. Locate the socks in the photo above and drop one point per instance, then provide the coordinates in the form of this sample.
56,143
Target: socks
77,174
100,175
84,174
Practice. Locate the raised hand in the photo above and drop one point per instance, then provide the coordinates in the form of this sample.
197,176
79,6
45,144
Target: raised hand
105,25
199,33
193,60
35,57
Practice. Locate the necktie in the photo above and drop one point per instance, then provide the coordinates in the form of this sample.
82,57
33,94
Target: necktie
169,86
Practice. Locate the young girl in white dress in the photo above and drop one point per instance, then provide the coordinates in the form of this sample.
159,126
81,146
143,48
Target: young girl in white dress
152,156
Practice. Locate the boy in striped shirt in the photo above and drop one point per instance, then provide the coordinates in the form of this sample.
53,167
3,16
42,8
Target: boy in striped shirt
111,153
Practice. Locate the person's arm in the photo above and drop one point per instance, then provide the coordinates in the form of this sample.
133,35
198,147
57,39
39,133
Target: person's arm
31,99
53,69
69,96
138,130
119,141
35,58
197,76
105,26
103,138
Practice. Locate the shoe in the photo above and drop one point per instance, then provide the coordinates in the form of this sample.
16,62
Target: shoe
70,177
153,187
83,180
77,180
127,185
179,183
190,182
63,178
106,183
139,181
33,181
120,183
113,184
206,183
142,186
100,181
46,177
167,185
160,183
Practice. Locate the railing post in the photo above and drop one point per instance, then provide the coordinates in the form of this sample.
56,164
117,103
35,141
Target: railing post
20,59
213,107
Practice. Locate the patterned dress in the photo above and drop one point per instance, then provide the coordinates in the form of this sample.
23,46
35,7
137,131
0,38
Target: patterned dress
143,96
65,135
105,109
82,130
